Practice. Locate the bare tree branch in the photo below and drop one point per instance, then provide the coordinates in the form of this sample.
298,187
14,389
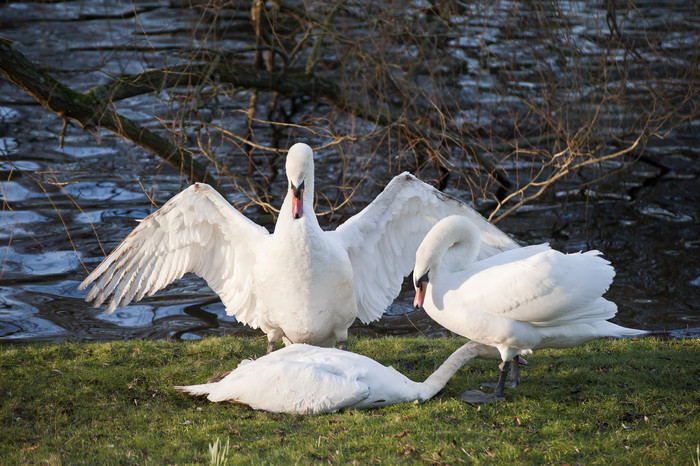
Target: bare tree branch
289,84
91,112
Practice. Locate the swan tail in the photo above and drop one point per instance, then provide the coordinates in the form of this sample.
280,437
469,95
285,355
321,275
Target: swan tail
195,390
608,329
576,334
598,311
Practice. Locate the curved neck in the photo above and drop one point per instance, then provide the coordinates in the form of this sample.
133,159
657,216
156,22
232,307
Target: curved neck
455,244
438,379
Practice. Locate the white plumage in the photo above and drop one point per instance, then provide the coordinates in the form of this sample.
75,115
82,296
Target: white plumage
306,379
300,284
519,300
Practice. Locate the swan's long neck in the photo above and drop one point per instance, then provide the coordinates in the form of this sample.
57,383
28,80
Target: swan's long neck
438,379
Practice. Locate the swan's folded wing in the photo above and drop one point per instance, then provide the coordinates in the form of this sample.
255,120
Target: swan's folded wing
196,231
289,386
547,288
382,239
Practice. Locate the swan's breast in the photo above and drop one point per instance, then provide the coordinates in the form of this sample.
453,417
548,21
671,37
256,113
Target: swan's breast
306,283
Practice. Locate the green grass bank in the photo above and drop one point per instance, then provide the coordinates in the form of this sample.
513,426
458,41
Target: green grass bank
606,402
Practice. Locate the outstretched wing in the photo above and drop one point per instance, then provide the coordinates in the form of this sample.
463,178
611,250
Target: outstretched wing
196,231
383,238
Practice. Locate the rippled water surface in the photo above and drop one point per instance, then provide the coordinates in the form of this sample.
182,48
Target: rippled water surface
645,220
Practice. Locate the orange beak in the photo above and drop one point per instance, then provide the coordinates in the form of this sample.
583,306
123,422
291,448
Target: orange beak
297,206
298,200
420,295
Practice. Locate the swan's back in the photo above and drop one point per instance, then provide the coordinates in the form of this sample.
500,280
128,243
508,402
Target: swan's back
307,379
539,285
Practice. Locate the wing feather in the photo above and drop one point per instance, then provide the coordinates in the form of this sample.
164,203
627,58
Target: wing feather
383,238
196,231
287,386
145,281
141,270
547,288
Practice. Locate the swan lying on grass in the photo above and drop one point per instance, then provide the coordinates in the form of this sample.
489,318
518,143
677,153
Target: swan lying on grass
520,300
300,284
305,379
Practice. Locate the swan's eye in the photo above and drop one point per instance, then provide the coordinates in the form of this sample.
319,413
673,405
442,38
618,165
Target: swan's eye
424,279
297,190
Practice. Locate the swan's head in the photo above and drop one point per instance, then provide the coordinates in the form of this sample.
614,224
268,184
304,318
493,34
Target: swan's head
300,175
455,233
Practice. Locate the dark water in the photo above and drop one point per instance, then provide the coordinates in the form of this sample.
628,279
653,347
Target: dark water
64,207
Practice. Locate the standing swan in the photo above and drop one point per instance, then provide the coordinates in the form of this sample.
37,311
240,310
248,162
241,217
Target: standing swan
300,284
520,300
305,379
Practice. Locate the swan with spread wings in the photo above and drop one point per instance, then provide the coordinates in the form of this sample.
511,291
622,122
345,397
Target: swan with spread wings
300,284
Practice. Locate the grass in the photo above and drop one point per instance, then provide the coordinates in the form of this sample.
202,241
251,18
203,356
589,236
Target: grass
622,401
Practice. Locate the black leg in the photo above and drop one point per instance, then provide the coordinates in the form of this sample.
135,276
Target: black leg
343,345
504,367
270,347
515,372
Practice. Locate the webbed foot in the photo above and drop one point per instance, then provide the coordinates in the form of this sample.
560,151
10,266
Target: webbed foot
478,397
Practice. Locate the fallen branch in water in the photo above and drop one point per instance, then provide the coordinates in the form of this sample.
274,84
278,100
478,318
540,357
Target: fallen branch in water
91,112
